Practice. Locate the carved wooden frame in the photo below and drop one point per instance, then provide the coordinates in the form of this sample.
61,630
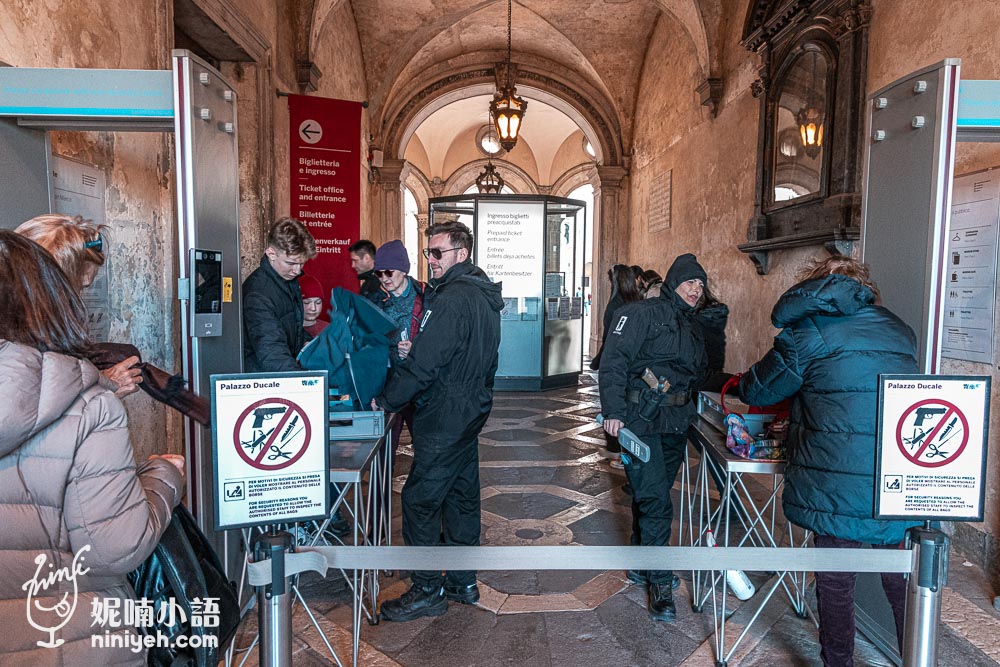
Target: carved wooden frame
779,31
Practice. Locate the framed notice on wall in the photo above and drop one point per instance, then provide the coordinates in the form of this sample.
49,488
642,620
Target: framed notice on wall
270,451
931,447
971,274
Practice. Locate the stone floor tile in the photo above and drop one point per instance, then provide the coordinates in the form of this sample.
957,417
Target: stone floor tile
490,599
651,643
536,474
504,414
515,641
597,590
521,604
565,581
979,627
591,479
526,505
602,528
527,532
520,582
457,638
583,639
560,423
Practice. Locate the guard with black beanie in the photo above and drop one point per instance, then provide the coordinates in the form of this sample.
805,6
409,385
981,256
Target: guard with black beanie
662,335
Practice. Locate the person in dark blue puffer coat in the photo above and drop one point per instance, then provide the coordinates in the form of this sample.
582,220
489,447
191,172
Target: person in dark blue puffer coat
834,343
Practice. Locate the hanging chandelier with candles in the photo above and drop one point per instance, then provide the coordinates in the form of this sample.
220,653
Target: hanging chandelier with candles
507,109
489,181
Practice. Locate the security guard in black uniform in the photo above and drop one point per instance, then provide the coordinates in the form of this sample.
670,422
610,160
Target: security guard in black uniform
448,375
662,335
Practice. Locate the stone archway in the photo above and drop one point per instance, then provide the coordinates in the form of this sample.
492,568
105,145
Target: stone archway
584,174
584,105
518,179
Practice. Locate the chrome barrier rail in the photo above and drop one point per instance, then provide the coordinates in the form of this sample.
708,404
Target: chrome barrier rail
926,563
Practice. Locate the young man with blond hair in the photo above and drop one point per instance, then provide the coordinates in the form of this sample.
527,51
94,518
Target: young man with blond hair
272,301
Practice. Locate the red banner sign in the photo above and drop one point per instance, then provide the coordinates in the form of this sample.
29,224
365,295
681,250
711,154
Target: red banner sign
325,182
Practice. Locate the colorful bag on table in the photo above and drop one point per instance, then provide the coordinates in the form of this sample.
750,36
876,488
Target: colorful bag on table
742,442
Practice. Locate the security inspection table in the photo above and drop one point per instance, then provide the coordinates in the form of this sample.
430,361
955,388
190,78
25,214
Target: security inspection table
758,518
361,486
361,476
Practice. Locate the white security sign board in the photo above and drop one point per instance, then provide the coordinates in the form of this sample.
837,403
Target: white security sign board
269,448
931,458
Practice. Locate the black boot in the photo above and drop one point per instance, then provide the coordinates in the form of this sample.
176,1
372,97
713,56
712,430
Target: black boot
464,594
640,577
637,576
414,603
661,603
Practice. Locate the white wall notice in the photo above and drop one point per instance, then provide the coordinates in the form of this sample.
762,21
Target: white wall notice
931,461
270,448
971,273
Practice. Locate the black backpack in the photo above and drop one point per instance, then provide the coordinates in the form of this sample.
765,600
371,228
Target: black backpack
183,567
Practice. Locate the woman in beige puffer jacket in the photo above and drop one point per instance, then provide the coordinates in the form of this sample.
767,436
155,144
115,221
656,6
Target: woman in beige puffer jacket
69,485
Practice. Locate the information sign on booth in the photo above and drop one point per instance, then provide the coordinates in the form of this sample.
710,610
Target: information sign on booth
510,249
270,450
931,447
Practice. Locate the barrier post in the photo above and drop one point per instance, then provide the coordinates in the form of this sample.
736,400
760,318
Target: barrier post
274,602
923,596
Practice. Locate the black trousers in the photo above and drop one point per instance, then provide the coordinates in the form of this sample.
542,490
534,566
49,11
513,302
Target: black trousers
652,507
835,600
440,503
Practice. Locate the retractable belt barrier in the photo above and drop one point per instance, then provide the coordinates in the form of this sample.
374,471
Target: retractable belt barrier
320,559
926,563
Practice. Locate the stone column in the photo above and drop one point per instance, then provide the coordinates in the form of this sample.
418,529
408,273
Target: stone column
389,222
423,220
610,242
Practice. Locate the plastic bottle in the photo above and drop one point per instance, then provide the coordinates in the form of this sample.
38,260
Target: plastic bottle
739,582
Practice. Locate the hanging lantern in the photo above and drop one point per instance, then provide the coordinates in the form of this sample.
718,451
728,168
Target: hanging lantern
810,122
489,181
506,108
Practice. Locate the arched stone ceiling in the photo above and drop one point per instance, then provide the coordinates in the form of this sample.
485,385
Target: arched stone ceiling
602,42
543,137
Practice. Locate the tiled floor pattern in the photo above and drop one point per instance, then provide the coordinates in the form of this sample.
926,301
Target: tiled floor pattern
546,481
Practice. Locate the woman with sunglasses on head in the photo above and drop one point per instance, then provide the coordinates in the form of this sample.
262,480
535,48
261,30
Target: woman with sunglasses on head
402,299
74,505
78,248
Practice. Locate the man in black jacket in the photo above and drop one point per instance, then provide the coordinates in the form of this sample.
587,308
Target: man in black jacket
448,375
363,262
272,302
663,335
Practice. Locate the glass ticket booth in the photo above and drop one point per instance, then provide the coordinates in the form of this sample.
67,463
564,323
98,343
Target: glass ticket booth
534,245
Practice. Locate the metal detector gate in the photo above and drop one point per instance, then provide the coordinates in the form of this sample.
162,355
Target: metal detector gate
196,103
913,125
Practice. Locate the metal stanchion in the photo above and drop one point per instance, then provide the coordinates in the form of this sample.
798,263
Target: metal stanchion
923,596
274,602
